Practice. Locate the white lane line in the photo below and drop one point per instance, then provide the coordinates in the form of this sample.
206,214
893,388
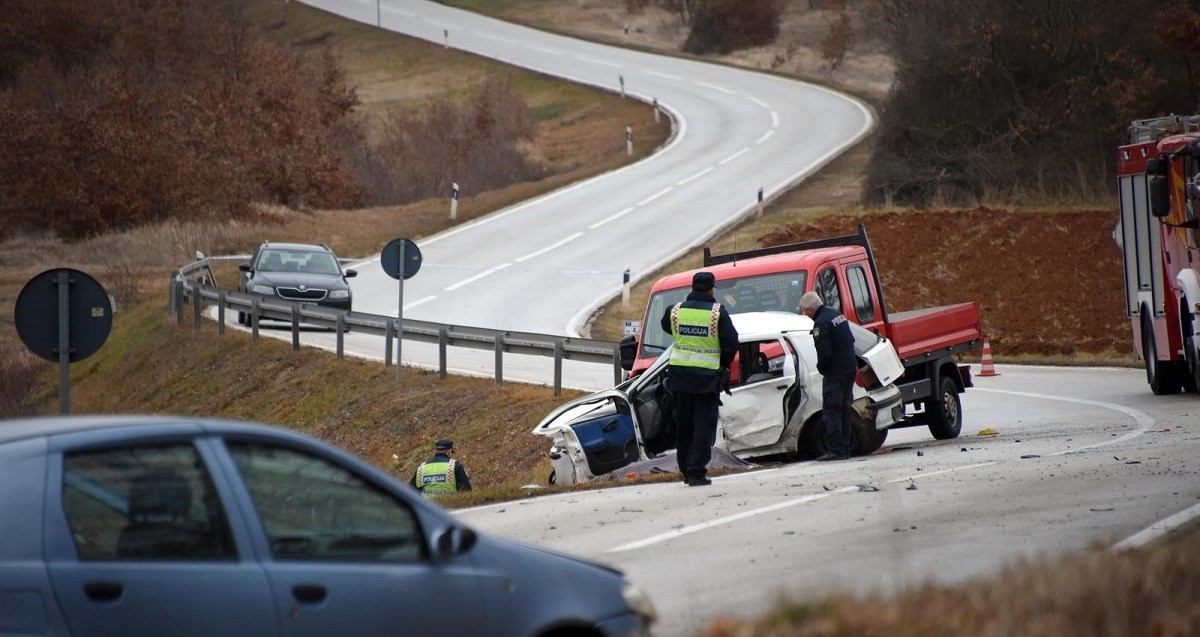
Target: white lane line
774,119
695,176
663,75
733,156
542,50
497,38
1158,529
610,218
674,533
408,306
475,278
759,102
655,195
1142,419
583,58
548,248
765,136
714,87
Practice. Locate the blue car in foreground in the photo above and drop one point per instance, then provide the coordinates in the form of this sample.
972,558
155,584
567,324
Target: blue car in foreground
138,525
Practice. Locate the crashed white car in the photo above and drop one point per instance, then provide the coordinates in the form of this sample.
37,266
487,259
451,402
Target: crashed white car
775,406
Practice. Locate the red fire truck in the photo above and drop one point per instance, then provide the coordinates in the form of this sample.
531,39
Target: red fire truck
1158,177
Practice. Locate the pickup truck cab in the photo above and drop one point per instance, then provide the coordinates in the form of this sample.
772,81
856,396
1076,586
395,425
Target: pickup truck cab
843,271
774,404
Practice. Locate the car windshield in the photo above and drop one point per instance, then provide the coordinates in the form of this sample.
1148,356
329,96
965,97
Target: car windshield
297,261
763,293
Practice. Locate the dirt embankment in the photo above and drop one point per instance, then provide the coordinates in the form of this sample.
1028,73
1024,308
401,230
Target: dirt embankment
1049,283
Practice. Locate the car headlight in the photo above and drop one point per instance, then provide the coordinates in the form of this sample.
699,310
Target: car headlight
639,602
339,294
262,289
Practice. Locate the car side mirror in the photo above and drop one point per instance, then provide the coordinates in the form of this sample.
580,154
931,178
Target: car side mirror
244,267
350,274
628,349
454,541
1160,205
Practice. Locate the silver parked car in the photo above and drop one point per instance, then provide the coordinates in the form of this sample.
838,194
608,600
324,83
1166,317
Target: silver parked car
127,525
774,407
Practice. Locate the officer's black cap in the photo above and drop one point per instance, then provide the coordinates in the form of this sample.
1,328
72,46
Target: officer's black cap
443,444
703,281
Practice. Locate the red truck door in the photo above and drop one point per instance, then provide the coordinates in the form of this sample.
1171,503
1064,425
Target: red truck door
848,288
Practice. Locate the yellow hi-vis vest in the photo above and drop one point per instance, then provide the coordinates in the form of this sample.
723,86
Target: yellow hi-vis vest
695,332
436,478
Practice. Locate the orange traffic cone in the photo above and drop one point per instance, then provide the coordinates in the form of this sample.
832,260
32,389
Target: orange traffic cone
986,363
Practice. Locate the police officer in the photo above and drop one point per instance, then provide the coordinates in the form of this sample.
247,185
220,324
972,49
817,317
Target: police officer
705,343
442,473
836,362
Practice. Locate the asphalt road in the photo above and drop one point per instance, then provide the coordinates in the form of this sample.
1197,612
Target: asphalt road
1083,456
545,265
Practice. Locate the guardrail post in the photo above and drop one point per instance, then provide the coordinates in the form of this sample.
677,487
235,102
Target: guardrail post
387,344
499,345
443,341
617,369
254,314
221,312
195,307
178,301
340,326
172,308
295,327
558,359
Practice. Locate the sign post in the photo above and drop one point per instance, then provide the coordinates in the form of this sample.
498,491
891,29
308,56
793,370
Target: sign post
400,259
629,140
64,316
454,200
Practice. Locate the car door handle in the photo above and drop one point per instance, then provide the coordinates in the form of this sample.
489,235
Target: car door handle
308,593
784,386
103,591
609,426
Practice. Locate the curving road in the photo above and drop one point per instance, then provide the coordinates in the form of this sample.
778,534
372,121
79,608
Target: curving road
1083,456
545,265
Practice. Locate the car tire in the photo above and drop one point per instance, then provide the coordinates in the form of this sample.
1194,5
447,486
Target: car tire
872,440
944,411
812,442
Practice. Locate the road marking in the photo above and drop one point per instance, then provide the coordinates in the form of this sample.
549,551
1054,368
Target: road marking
583,58
475,278
695,176
546,249
542,50
674,533
663,75
1142,418
733,156
610,218
765,136
496,37
714,87
1158,529
427,299
774,119
655,195
759,102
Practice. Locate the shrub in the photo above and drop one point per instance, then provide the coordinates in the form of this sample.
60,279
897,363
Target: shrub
729,25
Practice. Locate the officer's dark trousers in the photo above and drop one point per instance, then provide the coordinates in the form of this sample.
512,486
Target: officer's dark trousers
695,432
836,393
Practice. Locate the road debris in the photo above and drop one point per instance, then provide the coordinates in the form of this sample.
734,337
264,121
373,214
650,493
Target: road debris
920,453
1032,455
1097,510
912,486
867,487
988,432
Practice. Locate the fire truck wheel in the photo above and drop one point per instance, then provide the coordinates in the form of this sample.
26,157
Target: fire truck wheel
1192,382
1163,376
945,411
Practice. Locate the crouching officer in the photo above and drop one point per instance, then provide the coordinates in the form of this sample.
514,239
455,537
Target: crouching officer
705,343
442,473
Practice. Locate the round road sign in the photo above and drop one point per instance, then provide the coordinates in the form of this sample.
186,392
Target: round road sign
88,314
390,258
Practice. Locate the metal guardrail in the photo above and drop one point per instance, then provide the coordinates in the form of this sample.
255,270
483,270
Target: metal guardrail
195,282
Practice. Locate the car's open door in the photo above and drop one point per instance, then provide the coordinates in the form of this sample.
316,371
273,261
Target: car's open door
755,414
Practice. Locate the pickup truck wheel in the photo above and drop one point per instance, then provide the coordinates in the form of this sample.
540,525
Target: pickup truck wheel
945,411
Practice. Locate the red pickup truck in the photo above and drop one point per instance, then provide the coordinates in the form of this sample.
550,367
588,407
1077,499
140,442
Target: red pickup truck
842,270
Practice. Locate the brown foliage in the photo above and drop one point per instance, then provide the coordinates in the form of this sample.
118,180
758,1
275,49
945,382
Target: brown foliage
478,145
991,98
729,25
116,113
